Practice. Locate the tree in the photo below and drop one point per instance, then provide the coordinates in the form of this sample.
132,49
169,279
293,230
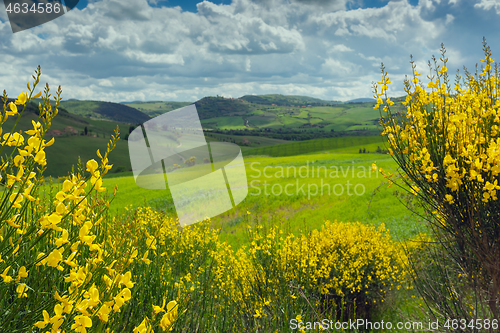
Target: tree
85,130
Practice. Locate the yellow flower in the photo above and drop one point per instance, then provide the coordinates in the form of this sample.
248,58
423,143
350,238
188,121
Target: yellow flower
46,320
81,324
125,279
121,298
15,139
92,296
54,258
5,277
68,305
144,327
170,316
58,318
92,166
40,158
13,109
22,273
16,199
145,258
157,309
21,290
449,198
151,243
21,99
104,313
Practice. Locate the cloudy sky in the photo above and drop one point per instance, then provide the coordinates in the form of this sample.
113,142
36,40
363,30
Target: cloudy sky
152,50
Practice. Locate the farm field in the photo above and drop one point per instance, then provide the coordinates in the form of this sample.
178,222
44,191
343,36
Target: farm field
315,145
345,117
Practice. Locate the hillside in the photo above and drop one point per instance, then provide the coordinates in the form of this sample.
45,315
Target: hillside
70,142
214,107
82,127
105,111
279,117
156,108
287,100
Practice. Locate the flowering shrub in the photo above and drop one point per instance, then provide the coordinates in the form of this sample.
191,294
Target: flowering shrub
263,285
351,265
60,271
446,142
342,270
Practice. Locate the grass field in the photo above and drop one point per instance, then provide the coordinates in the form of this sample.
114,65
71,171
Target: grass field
255,141
316,145
333,185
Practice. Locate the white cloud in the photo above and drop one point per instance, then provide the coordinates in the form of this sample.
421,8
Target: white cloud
489,4
336,67
341,48
127,50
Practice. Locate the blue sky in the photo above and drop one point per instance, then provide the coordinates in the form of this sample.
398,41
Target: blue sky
149,50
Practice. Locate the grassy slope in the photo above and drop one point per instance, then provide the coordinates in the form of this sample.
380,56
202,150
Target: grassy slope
305,147
66,149
106,111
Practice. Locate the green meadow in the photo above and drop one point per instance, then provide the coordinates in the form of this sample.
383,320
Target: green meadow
299,192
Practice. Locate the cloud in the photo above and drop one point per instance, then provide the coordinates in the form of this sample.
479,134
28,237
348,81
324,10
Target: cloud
488,5
120,50
330,4
234,30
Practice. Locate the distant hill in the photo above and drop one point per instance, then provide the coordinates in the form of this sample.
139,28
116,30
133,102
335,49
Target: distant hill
213,107
361,100
251,121
287,100
278,116
105,111
155,108
32,108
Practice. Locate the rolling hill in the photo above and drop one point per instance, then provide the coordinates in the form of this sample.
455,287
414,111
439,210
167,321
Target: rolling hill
70,141
156,108
273,125
279,116
287,100
105,111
